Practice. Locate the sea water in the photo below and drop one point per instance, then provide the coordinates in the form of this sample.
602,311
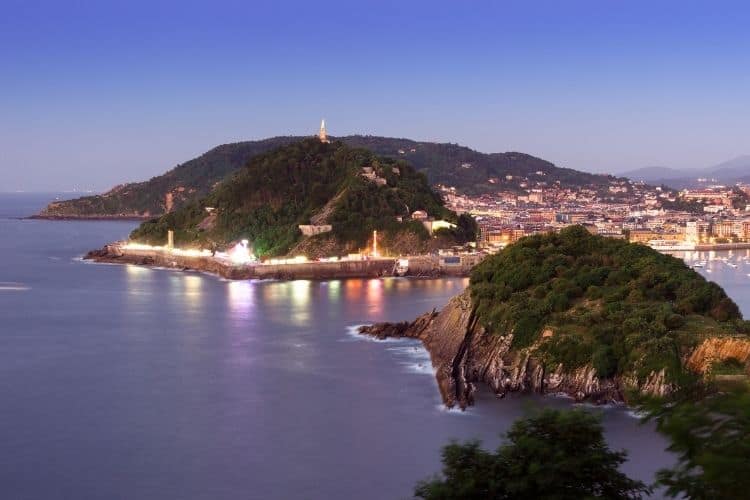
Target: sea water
124,382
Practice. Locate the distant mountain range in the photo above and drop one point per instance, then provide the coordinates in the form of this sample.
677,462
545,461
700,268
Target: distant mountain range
728,172
443,163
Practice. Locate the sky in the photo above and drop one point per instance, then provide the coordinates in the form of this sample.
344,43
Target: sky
96,93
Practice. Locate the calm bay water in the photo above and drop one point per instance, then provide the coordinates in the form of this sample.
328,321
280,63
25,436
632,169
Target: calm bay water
122,382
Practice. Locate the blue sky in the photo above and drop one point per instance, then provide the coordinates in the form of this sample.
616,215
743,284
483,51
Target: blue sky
94,93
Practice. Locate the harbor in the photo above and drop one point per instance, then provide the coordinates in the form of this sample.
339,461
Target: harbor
667,246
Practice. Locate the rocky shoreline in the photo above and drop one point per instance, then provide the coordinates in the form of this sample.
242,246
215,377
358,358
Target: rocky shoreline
464,355
112,254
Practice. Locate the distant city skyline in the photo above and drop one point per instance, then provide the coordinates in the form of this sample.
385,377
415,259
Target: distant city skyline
98,94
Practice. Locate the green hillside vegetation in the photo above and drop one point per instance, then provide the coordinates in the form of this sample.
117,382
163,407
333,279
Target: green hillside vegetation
554,454
625,308
187,182
469,170
442,163
562,454
266,200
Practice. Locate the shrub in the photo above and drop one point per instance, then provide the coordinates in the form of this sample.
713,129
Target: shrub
555,454
605,361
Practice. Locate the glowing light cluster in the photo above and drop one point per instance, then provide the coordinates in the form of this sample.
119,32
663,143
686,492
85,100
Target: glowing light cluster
300,259
240,253
191,252
183,252
140,246
442,224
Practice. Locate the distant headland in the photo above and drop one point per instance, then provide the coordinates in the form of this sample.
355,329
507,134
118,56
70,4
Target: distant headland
446,164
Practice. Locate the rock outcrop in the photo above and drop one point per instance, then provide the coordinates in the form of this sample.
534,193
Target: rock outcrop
463,355
715,350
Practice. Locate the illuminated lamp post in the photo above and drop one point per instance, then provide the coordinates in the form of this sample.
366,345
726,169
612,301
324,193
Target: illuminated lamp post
374,243
240,253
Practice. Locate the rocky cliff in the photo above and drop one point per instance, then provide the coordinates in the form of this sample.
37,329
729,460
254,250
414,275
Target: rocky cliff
463,355
716,350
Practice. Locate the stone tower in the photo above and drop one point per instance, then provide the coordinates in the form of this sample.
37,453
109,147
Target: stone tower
322,135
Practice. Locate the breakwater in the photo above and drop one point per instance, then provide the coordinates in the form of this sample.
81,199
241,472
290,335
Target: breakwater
423,265
721,246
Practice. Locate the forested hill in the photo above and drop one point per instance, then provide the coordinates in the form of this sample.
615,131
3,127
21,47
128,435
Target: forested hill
474,172
581,300
468,170
310,182
188,181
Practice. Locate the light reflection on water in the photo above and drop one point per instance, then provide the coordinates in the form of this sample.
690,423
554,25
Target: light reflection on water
374,296
191,290
352,289
241,298
334,291
297,293
300,292
139,281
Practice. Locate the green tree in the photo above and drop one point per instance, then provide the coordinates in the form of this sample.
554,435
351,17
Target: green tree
466,229
710,434
553,455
